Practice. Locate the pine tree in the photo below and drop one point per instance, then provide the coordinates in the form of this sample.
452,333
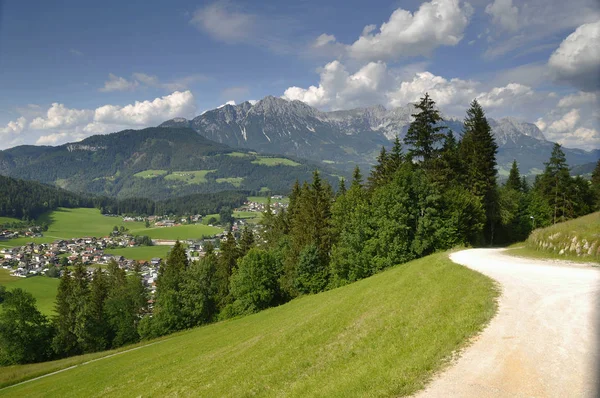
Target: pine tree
226,263
97,328
514,178
478,154
395,158
424,133
246,241
555,186
65,340
596,185
379,172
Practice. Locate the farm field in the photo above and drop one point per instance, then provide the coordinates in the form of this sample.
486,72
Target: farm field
141,252
150,173
41,287
382,336
4,220
189,177
74,223
268,161
193,231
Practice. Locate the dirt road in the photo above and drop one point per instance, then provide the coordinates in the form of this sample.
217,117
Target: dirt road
543,342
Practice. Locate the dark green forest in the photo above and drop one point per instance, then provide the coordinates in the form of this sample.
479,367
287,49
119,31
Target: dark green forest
439,193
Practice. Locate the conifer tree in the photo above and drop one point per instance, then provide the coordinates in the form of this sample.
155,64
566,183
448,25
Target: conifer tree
378,174
97,332
596,185
424,133
478,154
514,178
395,158
65,340
246,241
555,185
226,263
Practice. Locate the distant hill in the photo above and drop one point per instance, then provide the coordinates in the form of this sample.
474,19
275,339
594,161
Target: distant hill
348,137
155,163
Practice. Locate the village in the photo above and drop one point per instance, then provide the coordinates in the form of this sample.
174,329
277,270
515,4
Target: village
33,259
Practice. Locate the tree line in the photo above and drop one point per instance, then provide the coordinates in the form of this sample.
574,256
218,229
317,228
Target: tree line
28,200
432,192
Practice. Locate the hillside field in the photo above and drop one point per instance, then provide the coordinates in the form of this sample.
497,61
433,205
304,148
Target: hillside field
575,240
382,336
41,287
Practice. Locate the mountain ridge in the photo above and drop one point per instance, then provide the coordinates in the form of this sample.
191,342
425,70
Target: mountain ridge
355,136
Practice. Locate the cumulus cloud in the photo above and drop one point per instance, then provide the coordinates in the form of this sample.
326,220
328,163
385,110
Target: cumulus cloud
577,60
59,116
14,126
116,83
504,14
61,124
502,96
323,40
578,99
436,23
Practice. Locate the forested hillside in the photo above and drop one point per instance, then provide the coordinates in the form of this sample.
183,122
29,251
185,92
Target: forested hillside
154,163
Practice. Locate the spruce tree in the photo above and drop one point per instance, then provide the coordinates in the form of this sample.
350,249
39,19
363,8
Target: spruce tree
395,159
555,185
246,241
226,263
378,173
514,178
596,185
65,341
424,133
478,154
97,324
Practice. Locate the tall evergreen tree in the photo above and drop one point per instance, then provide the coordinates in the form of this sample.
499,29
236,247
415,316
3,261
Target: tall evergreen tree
555,186
596,185
246,241
425,132
228,256
378,174
514,178
478,154
65,341
97,327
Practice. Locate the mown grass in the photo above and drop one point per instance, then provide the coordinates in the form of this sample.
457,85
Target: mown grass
141,252
192,231
189,177
577,240
42,288
267,161
74,223
382,336
150,173
238,154
4,220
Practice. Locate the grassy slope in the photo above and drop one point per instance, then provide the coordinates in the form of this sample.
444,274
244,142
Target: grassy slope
150,173
548,242
189,177
41,287
267,161
8,220
382,336
142,252
193,231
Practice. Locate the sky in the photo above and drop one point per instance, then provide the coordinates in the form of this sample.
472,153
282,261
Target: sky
71,69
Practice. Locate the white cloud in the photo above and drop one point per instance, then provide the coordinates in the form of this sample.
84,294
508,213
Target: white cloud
59,116
140,80
14,126
566,123
504,14
577,60
502,96
116,83
436,23
61,124
578,99
530,25
225,22
324,39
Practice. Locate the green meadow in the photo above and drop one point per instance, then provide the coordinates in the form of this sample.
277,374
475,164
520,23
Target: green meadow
235,181
41,287
150,173
75,223
386,335
141,252
4,220
268,161
191,231
189,177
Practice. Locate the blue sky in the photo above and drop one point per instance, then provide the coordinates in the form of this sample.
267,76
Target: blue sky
82,68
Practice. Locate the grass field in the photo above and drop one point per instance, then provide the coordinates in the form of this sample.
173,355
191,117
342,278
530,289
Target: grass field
4,220
141,252
235,181
193,231
41,287
150,173
238,154
267,161
74,223
263,199
189,177
576,240
383,336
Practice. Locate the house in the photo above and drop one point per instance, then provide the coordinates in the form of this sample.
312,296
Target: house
155,261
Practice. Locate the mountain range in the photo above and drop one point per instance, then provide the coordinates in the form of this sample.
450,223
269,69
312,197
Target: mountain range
345,138
155,163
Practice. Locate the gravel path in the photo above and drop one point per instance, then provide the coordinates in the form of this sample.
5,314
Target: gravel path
544,340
